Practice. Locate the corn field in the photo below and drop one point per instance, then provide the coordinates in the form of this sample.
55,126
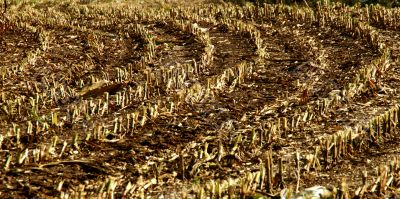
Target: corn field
117,100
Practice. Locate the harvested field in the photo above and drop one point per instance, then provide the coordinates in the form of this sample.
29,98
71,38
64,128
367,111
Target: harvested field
113,100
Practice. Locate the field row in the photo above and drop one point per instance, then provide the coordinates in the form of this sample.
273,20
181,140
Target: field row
199,102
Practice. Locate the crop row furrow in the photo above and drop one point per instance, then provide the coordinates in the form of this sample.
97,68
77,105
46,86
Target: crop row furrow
365,75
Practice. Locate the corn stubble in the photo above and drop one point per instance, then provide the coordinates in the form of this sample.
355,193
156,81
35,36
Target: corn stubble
211,101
